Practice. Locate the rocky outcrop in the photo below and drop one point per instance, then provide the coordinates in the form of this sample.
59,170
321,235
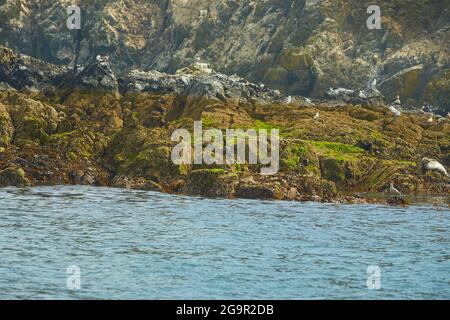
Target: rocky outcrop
23,72
193,83
94,128
97,76
368,97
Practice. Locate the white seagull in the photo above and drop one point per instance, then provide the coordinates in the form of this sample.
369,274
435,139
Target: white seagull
393,190
396,112
433,165
127,183
397,101
362,95
288,100
339,91
203,13
102,59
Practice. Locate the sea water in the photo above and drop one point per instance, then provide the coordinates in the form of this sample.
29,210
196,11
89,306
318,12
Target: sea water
144,245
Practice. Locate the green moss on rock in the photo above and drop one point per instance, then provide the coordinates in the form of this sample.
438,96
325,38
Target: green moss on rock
6,127
13,177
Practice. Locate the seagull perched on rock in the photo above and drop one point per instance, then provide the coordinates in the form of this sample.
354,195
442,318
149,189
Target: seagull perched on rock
203,13
362,95
395,106
433,165
394,110
288,100
102,59
127,183
316,116
397,101
393,190
78,67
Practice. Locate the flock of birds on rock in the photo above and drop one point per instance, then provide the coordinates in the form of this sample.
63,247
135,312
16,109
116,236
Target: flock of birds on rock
395,108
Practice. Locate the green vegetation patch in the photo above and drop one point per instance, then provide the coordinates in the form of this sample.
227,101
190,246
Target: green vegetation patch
339,151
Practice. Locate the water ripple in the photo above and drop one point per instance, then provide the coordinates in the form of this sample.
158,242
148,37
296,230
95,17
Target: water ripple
137,244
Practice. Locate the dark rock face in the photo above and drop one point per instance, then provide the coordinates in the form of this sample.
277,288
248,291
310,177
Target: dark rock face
21,72
209,183
195,82
302,47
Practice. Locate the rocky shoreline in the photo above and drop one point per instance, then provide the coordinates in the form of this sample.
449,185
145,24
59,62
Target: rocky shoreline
86,125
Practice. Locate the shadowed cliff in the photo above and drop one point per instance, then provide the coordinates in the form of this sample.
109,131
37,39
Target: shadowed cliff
300,46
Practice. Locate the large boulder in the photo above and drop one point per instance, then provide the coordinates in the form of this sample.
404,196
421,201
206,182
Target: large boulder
13,177
33,120
209,183
197,86
301,47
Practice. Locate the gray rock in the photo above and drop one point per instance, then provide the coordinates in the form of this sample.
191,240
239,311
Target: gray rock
96,76
23,72
365,97
189,84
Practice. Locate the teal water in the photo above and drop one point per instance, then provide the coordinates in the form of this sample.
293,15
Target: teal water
145,245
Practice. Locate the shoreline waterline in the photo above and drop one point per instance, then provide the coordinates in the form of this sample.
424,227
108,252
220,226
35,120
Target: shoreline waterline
375,198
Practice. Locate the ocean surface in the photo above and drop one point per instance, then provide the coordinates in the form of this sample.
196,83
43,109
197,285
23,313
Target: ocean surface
144,245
